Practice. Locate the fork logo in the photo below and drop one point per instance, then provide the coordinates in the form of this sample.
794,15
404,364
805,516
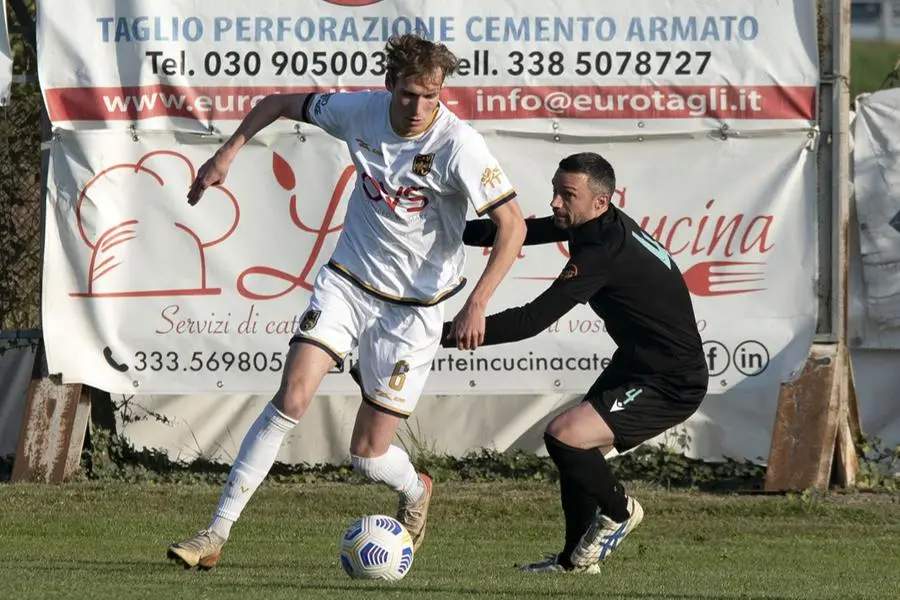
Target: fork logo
630,396
725,277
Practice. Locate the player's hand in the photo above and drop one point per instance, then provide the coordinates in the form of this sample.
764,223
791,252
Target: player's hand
213,172
468,327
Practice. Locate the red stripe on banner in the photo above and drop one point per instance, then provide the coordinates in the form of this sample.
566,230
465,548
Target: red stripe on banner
470,103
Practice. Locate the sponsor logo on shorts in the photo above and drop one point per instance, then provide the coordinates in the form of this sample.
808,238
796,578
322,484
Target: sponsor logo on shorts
390,397
630,397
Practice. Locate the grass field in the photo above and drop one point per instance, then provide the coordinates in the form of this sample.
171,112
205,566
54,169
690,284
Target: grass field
109,541
870,62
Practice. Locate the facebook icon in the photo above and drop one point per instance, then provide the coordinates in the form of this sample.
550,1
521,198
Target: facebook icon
718,358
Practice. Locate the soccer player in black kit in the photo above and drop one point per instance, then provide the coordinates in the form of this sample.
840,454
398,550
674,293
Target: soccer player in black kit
657,376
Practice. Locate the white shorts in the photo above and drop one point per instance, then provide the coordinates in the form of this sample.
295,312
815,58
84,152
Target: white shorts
396,342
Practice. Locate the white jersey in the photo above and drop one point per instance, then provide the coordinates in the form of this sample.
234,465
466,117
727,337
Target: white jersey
402,236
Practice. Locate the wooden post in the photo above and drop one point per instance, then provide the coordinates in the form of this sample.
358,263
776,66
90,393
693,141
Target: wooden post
817,421
53,428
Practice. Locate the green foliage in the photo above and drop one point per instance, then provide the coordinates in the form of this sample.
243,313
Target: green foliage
112,458
20,191
879,465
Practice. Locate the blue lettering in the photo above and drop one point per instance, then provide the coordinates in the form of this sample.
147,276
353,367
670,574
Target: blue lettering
635,30
304,29
447,29
606,29
542,30
242,29
517,31
682,29
658,30
538,29
748,28
105,23
491,34
470,32
402,25
263,27
150,29
349,32
369,35
139,30
724,28
193,29
710,31
327,25
220,26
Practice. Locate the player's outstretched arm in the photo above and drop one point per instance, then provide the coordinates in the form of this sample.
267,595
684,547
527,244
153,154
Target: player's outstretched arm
522,322
468,326
267,111
483,232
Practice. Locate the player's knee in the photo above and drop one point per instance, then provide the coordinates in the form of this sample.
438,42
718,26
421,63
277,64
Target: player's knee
581,427
294,394
562,428
291,401
373,431
304,369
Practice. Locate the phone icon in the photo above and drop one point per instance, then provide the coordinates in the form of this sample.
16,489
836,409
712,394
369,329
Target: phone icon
108,355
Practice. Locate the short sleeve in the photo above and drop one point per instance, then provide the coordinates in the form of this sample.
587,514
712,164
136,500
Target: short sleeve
582,277
480,177
333,112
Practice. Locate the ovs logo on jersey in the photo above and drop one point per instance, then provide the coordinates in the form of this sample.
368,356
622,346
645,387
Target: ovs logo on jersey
352,2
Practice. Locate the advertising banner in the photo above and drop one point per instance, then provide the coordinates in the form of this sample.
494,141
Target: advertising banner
144,293
197,66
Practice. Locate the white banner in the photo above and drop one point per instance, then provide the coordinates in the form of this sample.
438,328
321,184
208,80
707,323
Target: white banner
639,66
5,59
876,182
143,293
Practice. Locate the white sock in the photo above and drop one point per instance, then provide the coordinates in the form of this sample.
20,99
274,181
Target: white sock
394,469
253,462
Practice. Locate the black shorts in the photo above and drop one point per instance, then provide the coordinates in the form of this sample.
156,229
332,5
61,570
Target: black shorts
637,411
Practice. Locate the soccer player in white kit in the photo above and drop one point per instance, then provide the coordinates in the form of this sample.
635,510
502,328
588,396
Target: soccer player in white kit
398,257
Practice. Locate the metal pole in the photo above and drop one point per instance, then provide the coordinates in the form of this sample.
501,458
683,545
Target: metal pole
825,162
841,172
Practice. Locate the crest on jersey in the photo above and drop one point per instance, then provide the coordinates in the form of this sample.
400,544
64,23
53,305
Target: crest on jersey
310,319
491,177
422,164
570,272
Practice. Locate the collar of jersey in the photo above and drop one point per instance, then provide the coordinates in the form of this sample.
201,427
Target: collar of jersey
412,136
591,231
